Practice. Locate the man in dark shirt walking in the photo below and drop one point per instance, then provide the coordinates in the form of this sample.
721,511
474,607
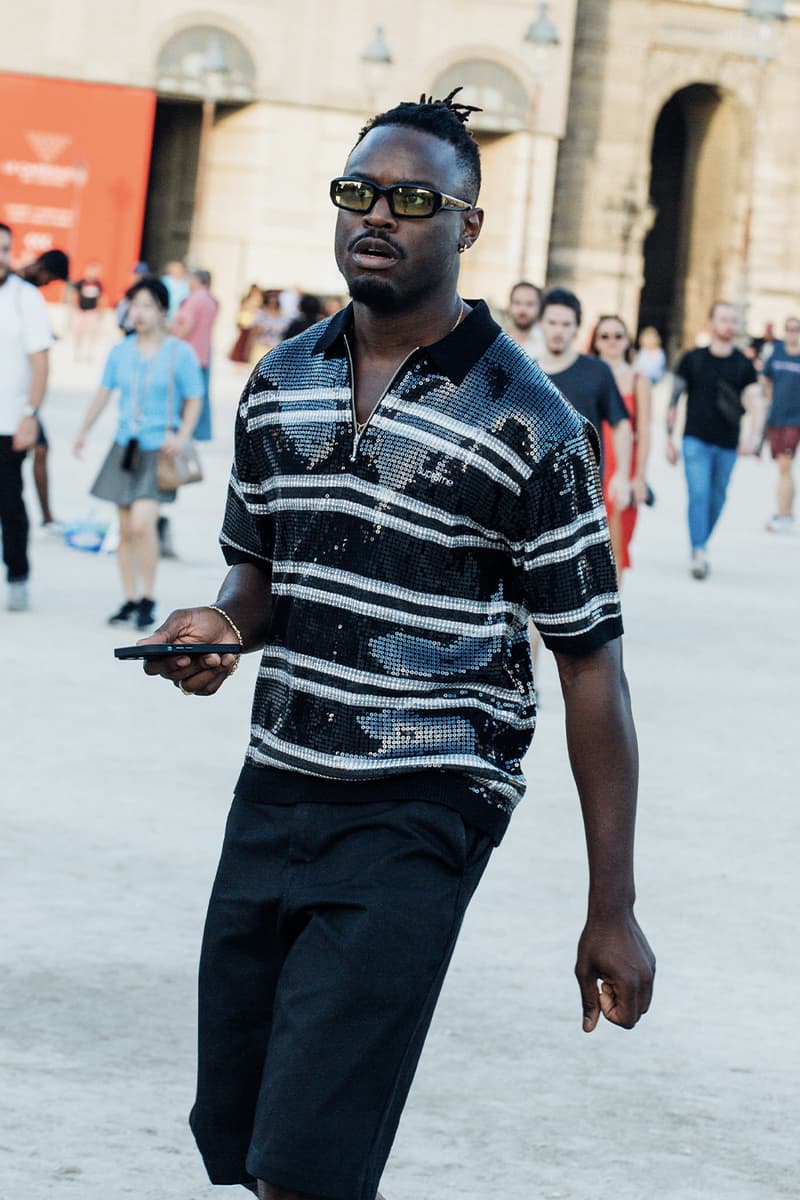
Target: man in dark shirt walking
587,383
407,489
720,385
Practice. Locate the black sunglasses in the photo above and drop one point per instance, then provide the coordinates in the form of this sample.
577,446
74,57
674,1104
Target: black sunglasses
404,199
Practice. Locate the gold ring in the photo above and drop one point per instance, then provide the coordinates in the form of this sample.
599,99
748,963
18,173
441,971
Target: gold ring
183,690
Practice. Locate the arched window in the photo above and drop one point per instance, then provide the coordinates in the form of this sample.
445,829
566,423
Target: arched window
206,63
494,88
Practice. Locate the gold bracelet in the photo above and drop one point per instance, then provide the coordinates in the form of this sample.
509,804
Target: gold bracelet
216,608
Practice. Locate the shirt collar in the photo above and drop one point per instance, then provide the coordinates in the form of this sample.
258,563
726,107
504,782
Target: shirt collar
454,355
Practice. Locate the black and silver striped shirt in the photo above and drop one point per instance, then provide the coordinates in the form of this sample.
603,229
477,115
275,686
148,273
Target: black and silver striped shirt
406,561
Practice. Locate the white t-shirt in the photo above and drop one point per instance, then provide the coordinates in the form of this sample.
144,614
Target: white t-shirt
533,344
24,330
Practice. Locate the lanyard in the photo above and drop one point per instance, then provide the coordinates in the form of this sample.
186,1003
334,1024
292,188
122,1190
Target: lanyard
137,415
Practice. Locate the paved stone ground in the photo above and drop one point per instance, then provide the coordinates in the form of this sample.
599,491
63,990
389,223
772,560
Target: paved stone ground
115,792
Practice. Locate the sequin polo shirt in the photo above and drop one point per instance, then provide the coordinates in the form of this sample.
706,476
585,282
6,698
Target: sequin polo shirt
406,560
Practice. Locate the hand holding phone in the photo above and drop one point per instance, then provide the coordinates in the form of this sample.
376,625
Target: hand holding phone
180,648
176,649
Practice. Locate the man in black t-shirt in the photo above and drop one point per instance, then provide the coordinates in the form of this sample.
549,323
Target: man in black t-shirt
720,385
587,383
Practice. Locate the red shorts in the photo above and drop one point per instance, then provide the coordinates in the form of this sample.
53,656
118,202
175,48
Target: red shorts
784,439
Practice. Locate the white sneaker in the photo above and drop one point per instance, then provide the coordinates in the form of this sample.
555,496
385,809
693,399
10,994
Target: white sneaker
53,528
781,524
18,599
700,566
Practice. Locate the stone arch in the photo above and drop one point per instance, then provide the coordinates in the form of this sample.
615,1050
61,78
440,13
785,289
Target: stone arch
494,88
204,74
202,62
691,253
501,130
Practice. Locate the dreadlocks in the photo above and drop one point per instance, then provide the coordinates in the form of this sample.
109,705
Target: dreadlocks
445,119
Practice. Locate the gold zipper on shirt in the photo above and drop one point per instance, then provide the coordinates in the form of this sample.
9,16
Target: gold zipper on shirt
360,428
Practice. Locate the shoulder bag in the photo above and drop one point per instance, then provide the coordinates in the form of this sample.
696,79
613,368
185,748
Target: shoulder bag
175,470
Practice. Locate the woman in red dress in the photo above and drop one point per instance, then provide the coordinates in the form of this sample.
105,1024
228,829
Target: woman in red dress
611,342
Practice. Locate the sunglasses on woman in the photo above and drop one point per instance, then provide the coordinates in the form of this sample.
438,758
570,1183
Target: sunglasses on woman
404,199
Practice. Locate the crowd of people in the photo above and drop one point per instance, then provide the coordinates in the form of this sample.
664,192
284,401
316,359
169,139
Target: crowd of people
159,373
268,316
611,384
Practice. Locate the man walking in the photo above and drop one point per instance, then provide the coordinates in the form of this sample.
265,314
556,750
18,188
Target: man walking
782,387
587,383
50,267
407,489
194,323
25,340
720,384
524,310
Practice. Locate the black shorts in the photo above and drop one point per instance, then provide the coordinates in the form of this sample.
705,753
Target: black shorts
329,932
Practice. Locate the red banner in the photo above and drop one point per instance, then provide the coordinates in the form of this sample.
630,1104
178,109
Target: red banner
74,159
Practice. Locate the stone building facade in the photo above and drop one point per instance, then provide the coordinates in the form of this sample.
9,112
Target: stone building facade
651,164
257,103
679,176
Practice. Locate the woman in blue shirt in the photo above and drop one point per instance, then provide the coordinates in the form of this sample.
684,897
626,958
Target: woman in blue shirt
159,388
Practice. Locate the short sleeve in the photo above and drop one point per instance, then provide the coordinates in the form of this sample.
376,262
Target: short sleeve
188,378
749,374
566,564
111,376
684,367
36,332
246,530
612,404
188,311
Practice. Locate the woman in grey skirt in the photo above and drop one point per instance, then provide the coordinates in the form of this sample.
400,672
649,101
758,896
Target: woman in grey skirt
159,388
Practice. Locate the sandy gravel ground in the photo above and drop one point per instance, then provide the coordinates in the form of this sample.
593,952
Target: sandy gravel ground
114,796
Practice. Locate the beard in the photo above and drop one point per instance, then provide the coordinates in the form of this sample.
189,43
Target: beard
377,294
385,297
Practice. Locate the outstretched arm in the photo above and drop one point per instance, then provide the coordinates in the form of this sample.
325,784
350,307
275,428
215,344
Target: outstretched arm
612,952
96,406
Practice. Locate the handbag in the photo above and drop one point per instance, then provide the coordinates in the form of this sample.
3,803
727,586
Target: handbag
175,470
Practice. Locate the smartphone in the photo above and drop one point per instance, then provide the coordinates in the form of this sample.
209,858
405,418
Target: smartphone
170,649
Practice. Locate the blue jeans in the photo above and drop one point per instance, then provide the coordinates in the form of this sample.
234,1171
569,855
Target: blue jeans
202,432
708,471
